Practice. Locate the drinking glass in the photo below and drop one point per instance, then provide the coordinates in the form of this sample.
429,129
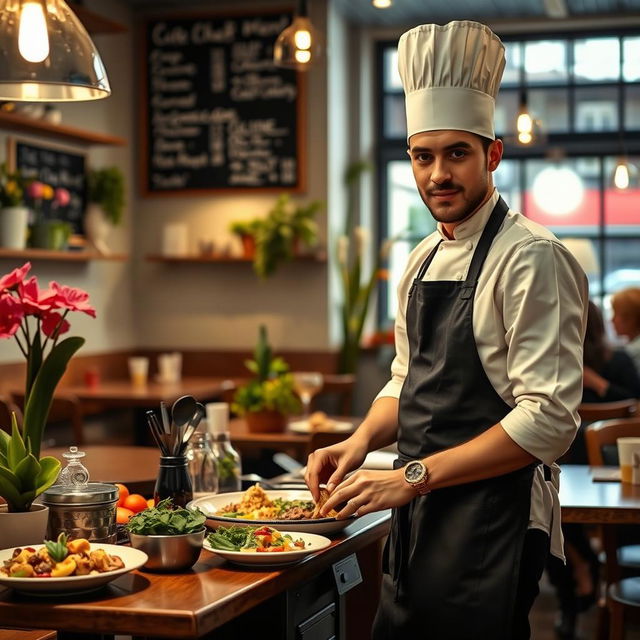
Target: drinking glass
306,385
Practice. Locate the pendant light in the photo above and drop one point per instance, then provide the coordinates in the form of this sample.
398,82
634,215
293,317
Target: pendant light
46,55
621,174
524,123
298,46
381,4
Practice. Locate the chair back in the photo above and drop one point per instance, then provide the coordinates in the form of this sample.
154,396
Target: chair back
592,411
336,395
7,406
601,438
320,439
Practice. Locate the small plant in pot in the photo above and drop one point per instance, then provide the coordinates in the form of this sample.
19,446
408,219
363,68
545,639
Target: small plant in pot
267,400
246,230
171,536
105,193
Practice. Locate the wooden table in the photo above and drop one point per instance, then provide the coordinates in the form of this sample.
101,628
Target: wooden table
193,603
137,467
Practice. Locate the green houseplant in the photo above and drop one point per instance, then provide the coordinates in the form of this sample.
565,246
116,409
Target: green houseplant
36,319
246,231
267,399
105,194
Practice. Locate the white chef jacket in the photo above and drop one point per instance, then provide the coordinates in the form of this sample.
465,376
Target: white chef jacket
529,318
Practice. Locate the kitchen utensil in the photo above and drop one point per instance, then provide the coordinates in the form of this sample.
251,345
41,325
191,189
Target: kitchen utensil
181,413
166,423
157,435
192,426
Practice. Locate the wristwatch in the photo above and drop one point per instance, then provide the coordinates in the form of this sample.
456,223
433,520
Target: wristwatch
416,475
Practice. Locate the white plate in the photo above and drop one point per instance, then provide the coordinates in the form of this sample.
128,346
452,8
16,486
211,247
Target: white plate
312,543
132,558
212,505
338,426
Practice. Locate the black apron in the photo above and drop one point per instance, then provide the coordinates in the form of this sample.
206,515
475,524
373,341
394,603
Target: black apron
452,558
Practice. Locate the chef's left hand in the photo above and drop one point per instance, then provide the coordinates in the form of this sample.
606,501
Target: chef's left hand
367,491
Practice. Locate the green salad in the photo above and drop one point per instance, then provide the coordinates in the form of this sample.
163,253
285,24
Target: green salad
253,539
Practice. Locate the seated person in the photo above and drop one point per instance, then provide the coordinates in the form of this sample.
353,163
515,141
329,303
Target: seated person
626,320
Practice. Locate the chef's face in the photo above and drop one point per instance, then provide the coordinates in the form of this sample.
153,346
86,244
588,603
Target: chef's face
453,172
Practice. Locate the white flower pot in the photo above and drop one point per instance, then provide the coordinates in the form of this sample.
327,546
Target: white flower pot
20,529
13,227
97,227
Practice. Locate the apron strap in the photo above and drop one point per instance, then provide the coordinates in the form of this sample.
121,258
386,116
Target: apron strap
423,269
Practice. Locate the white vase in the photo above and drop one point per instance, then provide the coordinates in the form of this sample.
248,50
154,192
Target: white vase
97,227
13,227
20,529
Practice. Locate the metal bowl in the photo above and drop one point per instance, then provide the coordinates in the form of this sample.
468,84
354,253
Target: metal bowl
170,553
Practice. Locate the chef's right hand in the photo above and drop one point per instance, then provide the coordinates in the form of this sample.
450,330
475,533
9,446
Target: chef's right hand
330,464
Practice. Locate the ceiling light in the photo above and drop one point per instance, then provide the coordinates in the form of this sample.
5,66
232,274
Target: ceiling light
298,46
381,4
46,55
621,175
558,190
524,123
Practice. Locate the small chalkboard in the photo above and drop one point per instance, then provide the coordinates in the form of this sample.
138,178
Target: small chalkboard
218,114
59,168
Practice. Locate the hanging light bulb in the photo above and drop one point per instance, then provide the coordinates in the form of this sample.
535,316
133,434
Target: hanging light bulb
298,46
46,55
621,174
381,4
524,123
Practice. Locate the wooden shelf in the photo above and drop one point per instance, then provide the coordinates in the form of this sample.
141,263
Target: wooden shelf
60,256
321,257
95,23
17,122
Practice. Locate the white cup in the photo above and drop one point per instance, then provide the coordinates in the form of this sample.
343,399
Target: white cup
626,448
169,367
175,240
139,371
217,417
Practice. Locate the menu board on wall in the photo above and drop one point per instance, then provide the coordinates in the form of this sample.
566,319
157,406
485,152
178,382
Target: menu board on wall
57,167
218,114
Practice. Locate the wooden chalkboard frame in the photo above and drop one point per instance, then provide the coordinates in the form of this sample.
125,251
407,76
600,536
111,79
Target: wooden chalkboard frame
12,164
301,112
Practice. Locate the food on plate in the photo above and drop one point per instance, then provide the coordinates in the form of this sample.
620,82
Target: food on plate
324,496
319,420
256,505
253,540
60,559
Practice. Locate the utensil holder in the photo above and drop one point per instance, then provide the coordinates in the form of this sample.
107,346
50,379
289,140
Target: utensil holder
173,481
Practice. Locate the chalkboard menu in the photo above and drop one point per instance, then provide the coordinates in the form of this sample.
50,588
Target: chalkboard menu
58,168
219,115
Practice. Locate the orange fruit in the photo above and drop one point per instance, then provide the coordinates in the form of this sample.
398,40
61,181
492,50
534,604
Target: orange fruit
123,515
122,496
135,502
151,503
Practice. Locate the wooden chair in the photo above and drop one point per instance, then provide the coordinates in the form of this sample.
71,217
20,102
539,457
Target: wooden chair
320,439
592,411
336,395
605,433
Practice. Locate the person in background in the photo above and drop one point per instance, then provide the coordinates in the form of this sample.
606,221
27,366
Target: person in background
487,377
609,375
626,320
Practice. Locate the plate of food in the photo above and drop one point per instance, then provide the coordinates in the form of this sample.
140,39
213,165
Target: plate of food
263,545
64,567
320,421
285,509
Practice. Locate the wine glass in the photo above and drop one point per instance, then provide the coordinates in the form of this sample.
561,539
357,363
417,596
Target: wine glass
306,385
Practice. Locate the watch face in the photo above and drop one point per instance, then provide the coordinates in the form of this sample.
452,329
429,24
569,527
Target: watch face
414,471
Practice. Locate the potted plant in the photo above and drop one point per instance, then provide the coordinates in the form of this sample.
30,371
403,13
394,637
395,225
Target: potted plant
14,214
171,536
105,194
47,230
36,319
267,399
246,230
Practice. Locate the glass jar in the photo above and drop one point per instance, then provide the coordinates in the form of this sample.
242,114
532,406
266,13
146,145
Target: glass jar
228,463
173,481
203,467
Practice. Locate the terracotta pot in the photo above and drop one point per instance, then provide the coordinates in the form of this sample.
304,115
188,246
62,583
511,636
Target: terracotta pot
20,529
248,247
266,421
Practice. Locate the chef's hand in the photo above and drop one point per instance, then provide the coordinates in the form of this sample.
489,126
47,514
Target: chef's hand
330,464
366,491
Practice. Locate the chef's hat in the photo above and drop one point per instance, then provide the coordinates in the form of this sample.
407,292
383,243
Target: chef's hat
451,75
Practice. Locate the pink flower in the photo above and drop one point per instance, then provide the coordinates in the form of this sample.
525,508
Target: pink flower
35,189
53,325
61,197
11,315
15,277
35,301
72,299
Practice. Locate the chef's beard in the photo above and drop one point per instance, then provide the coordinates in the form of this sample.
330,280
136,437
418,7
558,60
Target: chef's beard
471,201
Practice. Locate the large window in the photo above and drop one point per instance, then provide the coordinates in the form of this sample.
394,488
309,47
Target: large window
585,94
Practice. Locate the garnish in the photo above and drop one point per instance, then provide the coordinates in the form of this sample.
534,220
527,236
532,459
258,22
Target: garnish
166,519
57,550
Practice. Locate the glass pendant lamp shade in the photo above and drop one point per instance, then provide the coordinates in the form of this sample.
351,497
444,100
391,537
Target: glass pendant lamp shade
298,46
46,55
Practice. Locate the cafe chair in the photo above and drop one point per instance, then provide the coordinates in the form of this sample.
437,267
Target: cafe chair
624,597
601,439
336,395
321,439
7,407
592,411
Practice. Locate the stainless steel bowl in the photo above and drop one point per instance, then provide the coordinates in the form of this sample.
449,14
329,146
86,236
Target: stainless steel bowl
170,553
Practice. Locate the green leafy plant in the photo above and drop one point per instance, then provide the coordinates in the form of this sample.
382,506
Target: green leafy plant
106,188
11,187
165,519
272,388
35,319
57,549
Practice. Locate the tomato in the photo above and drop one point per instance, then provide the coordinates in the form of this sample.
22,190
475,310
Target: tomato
123,515
123,494
135,502
276,548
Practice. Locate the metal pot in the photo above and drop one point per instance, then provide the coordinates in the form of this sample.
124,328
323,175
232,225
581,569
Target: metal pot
169,553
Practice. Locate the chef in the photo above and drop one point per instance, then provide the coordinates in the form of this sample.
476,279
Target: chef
487,376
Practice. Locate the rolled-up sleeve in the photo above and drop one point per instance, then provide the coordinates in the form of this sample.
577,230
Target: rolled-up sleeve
543,296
